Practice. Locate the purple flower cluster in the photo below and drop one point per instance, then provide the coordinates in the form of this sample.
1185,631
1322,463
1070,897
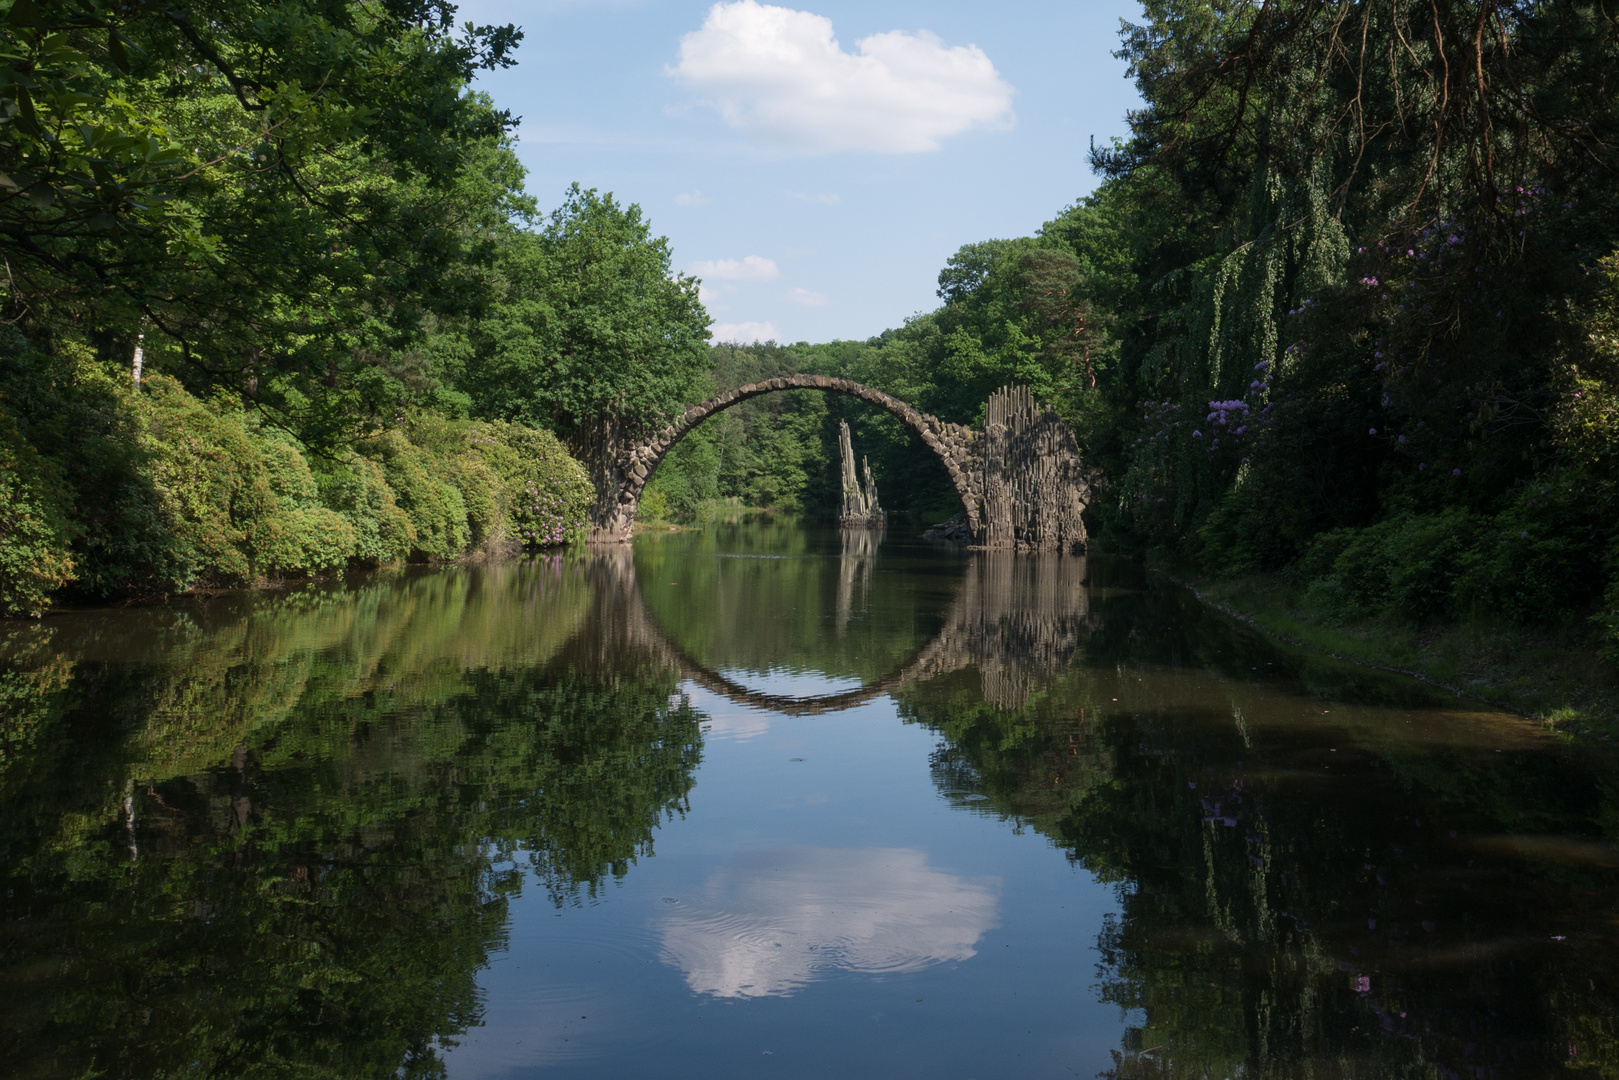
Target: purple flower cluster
1230,415
542,517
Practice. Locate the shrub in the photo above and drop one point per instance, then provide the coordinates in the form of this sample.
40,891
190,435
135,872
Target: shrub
119,490
546,494
1426,556
437,513
240,501
355,488
1407,565
452,452
654,505
1542,556
74,412
1534,561
298,534
200,461
482,483
34,558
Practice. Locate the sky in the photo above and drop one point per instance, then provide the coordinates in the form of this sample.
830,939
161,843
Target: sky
815,166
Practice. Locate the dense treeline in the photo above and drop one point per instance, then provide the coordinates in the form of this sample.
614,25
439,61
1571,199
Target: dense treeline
1368,331
278,302
1346,302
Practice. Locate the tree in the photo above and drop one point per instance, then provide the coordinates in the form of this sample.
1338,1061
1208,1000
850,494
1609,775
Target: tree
277,190
1365,228
589,332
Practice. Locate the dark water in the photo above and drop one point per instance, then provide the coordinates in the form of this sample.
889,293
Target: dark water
764,801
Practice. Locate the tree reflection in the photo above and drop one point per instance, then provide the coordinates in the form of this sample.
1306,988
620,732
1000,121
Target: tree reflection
279,835
1306,887
312,889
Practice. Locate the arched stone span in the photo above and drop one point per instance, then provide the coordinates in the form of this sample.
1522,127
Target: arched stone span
954,444
1018,619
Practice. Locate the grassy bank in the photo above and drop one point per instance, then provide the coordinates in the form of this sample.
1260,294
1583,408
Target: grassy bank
1551,673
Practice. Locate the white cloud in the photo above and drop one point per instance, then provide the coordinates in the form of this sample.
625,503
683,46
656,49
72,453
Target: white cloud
709,296
770,922
806,297
751,268
781,73
692,198
746,333
825,198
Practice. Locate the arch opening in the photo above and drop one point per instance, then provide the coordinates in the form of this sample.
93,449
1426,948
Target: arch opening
953,444
1018,619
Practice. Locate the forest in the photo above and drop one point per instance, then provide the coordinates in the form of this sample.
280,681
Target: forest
1344,305
277,302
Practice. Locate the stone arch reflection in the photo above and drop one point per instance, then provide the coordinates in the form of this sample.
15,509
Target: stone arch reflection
1017,618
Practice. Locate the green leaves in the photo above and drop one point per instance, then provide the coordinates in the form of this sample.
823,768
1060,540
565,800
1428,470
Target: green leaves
274,187
588,328
24,13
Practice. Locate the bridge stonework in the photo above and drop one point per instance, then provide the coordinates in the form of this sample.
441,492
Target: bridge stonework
1020,482
1018,619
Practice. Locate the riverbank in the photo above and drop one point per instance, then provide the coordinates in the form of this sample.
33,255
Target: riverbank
1550,674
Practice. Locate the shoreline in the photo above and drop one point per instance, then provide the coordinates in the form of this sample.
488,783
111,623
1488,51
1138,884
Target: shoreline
1462,659
1549,676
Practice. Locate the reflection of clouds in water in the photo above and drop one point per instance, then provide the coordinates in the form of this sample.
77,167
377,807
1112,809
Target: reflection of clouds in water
770,922
739,725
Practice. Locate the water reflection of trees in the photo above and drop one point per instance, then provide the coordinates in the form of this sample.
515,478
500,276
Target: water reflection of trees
812,606
1014,620
1305,888
280,834
284,844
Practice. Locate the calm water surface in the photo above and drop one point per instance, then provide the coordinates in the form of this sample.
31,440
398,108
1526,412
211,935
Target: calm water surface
770,801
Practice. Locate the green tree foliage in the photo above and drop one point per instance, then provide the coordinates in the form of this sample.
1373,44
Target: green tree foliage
316,234
288,843
588,334
1372,224
125,491
277,191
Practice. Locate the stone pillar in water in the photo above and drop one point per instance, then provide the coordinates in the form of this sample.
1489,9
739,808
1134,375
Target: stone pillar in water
860,506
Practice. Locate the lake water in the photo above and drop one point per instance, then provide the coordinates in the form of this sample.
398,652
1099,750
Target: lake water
769,801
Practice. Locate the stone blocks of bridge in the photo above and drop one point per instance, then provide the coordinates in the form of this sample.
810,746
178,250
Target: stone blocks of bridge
1020,481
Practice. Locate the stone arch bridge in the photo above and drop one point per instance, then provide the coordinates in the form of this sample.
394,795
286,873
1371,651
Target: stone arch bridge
1017,619
1020,480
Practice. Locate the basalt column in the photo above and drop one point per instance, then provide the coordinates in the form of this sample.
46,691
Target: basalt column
1034,487
860,507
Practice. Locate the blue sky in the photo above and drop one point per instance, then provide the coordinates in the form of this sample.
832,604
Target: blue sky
815,165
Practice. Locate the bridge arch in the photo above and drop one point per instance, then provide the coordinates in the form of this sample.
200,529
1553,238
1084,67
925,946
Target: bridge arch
1019,619
953,444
